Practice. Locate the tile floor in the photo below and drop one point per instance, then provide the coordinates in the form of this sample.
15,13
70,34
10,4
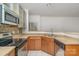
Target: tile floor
60,52
38,53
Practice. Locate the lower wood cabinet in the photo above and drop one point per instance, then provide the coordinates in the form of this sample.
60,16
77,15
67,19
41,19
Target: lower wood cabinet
34,43
37,44
48,45
71,50
31,44
41,43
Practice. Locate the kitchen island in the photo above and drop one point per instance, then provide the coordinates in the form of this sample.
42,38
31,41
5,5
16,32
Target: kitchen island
68,45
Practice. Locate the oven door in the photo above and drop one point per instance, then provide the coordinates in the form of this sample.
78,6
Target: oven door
22,51
21,48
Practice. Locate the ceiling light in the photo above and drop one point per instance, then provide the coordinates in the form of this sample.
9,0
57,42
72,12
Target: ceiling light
50,4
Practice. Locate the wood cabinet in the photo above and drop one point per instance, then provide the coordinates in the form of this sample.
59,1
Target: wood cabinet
62,49
20,12
51,46
38,44
13,6
16,8
31,44
41,43
34,43
8,5
48,45
21,17
44,44
71,50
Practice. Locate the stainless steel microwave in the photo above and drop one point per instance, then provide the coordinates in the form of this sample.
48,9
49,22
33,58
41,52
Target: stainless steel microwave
7,16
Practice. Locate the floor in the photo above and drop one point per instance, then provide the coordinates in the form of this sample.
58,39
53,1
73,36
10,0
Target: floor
41,53
33,53
38,53
60,52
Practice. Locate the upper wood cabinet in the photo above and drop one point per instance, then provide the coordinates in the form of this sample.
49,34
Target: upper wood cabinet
16,8
13,6
8,5
21,17
21,13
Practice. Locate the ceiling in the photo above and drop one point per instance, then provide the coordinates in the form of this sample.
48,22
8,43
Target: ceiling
55,9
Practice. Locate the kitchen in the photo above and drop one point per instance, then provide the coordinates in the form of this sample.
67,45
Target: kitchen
39,29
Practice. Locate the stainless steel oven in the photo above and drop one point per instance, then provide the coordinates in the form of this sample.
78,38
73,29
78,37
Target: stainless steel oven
20,44
21,49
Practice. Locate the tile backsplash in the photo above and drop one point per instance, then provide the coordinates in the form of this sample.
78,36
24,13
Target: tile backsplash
9,28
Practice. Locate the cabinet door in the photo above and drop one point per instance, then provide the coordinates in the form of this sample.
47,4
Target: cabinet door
37,44
16,8
71,50
44,44
34,43
21,17
48,45
31,44
9,5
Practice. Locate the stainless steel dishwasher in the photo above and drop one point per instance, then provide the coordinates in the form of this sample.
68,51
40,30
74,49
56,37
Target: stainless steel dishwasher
59,48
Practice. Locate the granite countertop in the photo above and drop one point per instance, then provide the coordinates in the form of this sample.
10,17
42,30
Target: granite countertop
23,36
67,40
69,34
58,36
18,36
38,32
5,50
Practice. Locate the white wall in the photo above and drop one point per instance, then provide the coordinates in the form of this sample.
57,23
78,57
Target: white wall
35,19
59,24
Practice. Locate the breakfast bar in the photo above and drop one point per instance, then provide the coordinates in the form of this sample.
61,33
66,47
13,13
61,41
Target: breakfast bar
68,45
